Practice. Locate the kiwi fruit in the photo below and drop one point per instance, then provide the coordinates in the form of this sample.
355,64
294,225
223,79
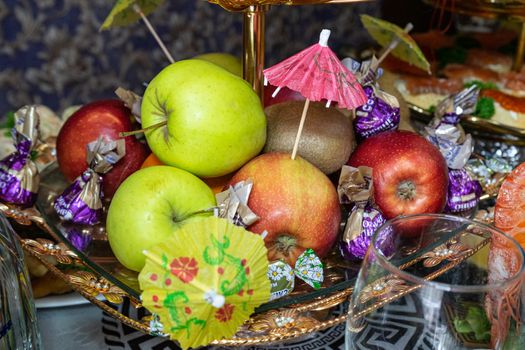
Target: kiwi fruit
327,139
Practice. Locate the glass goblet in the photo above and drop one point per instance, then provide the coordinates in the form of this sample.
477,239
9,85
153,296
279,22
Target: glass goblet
438,282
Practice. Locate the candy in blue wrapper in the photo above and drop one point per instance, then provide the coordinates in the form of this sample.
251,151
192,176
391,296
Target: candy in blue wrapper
19,178
463,191
81,202
380,113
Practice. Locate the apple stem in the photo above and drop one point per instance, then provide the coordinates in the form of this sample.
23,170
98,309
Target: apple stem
143,130
198,212
300,130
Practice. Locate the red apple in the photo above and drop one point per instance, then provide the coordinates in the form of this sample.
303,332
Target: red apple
284,94
409,173
107,118
297,204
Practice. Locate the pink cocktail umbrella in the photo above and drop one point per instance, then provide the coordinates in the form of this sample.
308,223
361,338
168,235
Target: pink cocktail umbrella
317,74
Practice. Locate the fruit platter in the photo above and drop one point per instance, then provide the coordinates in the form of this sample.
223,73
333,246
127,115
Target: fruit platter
233,218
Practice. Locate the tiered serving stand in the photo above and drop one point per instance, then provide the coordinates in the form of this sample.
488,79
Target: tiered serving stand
94,271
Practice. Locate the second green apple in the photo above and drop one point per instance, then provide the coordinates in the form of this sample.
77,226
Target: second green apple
215,121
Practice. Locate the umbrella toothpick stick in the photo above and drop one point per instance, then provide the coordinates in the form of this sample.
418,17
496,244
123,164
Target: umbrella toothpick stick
138,10
393,45
300,130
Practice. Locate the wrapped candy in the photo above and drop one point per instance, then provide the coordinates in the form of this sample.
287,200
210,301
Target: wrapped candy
81,202
444,130
355,186
233,204
308,268
463,191
19,178
445,133
79,238
361,225
381,111
132,101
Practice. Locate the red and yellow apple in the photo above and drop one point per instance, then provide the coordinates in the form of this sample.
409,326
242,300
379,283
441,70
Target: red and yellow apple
297,204
410,176
100,118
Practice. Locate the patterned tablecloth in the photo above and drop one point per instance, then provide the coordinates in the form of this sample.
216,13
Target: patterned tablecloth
86,327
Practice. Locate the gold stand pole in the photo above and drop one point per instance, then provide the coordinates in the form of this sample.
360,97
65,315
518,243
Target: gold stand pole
518,60
253,46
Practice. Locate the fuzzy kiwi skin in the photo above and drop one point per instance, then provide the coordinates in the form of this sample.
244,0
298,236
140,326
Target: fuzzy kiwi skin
327,140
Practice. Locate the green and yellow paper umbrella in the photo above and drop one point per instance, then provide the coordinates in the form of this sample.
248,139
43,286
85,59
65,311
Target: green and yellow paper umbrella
396,41
126,12
205,281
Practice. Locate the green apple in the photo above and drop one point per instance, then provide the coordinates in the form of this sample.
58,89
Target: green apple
147,208
229,62
215,122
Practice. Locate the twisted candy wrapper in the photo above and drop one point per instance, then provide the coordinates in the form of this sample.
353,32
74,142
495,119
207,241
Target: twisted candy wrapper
233,204
132,101
19,178
356,240
457,105
463,191
81,202
355,186
366,72
308,267
444,131
381,111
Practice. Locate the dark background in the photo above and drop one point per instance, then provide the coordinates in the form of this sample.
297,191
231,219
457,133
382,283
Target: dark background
51,51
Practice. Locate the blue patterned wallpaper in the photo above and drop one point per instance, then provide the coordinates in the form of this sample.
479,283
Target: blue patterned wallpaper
52,52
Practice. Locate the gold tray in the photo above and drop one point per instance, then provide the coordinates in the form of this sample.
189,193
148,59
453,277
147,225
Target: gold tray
95,272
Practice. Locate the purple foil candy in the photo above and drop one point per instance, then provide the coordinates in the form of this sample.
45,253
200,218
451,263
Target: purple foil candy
19,179
71,206
357,246
79,239
463,191
379,114
81,202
